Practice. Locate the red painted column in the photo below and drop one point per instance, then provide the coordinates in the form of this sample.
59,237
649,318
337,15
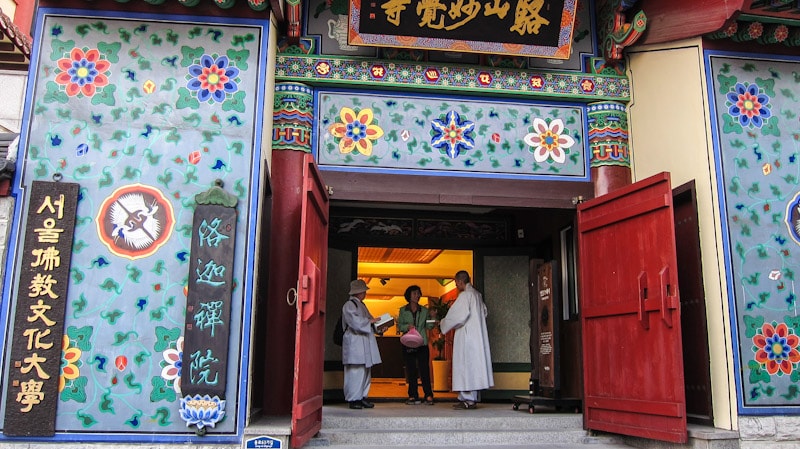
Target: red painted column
23,16
608,142
291,131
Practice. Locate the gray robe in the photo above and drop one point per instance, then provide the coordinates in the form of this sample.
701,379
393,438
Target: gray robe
359,346
472,361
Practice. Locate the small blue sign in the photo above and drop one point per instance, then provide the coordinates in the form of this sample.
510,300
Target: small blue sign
262,442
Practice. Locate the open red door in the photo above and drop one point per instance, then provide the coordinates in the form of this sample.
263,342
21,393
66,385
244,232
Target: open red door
630,313
310,328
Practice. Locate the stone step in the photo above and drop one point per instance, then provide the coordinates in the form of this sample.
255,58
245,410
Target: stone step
449,437
494,425
454,420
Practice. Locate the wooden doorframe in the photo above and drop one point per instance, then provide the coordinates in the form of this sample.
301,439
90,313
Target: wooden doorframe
694,325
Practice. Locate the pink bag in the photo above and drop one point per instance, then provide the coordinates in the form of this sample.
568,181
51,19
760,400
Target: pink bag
411,339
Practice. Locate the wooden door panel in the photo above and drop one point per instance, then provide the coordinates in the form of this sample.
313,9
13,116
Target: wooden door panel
310,324
632,355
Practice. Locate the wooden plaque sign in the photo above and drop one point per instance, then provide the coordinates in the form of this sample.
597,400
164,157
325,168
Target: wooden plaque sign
548,328
35,365
208,305
536,28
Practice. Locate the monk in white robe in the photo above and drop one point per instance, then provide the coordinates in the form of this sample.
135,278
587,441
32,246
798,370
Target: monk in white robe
472,360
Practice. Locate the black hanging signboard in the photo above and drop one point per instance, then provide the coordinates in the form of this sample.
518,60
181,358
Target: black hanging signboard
208,305
32,387
537,28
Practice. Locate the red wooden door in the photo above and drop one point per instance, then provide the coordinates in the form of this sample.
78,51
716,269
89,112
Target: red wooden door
310,327
630,313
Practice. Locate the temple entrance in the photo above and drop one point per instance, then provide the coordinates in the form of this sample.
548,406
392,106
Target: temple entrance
392,249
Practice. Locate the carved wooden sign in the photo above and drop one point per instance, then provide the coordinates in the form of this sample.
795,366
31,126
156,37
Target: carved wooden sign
208,305
547,328
35,365
536,28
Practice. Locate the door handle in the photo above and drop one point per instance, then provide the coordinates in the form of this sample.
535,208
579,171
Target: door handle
291,296
643,319
666,295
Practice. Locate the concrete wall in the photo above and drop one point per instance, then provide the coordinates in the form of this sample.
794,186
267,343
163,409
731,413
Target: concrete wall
12,84
669,132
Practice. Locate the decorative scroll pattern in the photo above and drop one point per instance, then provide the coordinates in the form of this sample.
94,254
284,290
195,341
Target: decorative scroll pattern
461,79
144,114
450,136
756,105
608,134
292,117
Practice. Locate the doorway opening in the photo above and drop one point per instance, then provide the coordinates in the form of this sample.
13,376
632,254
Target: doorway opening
391,249
388,272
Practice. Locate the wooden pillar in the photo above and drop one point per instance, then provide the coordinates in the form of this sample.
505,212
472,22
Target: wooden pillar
608,141
291,140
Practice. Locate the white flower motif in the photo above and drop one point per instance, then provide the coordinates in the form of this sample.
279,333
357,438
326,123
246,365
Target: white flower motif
547,140
774,275
172,371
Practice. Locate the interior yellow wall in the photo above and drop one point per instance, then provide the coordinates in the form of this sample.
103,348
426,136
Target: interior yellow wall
670,131
398,277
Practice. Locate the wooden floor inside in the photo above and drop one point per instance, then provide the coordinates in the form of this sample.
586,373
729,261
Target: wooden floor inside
390,388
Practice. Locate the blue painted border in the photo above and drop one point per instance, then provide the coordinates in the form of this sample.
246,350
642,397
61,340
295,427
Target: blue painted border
742,409
455,174
19,195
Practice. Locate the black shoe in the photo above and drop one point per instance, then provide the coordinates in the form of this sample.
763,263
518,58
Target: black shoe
366,404
356,405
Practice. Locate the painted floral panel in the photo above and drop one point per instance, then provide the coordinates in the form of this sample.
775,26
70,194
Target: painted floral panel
450,136
144,114
756,112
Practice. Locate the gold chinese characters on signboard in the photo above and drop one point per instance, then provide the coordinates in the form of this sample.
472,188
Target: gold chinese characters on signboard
33,380
536,28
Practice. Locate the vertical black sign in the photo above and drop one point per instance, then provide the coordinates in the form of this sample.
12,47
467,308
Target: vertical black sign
32,386
548,316
208,305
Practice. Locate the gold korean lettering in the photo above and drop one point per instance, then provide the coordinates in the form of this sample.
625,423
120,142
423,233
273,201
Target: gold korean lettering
38,311
34,361
393,9
527,19
500,10
48,204
42,285
47,258
49,233
30,395
35,339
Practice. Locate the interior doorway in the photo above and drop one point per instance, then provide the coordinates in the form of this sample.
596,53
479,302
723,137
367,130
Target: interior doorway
389,272
394,248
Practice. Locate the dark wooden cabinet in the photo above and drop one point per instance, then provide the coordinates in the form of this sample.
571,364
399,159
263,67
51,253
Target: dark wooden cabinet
392,357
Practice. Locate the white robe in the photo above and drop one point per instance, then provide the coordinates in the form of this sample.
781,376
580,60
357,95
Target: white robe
472,360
